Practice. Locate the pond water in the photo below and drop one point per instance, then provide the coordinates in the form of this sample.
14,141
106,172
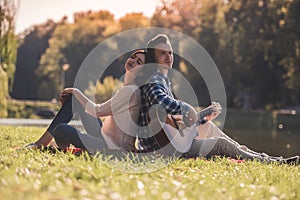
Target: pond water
284,143
272,133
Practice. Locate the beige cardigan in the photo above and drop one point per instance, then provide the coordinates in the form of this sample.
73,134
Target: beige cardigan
121,111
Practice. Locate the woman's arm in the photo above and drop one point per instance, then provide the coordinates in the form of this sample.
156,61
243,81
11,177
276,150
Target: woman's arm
118,103
77,94
83,100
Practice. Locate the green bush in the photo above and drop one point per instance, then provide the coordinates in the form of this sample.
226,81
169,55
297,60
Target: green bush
3,93
27,109
103,91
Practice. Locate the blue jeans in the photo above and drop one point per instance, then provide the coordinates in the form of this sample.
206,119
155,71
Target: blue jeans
65,134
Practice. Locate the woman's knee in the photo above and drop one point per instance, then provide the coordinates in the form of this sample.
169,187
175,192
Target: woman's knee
60,129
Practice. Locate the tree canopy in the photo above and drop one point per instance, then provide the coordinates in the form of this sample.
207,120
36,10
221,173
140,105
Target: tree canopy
255,44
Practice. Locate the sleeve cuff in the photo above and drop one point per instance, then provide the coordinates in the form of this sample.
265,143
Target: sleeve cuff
90,108
185,109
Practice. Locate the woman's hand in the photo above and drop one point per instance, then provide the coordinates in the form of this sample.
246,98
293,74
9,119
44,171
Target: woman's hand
65,94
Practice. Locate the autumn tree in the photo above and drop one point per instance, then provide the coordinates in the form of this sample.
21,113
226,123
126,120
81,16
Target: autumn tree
133,20
70,43
255,45
178,15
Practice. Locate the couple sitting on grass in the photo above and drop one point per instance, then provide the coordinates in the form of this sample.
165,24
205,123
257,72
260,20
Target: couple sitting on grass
127,126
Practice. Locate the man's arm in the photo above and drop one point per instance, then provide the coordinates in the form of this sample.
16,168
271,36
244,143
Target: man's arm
157,94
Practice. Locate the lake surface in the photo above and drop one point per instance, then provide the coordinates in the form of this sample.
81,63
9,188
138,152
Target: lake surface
273,133
284,143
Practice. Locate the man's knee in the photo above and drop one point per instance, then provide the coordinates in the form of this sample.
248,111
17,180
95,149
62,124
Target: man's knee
222,141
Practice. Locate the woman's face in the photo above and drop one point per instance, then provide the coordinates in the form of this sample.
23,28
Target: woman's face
132,62
135,60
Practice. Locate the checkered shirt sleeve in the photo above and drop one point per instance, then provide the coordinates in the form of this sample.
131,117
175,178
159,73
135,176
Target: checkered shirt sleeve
158,91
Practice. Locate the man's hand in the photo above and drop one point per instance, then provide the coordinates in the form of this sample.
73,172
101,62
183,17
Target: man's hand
217,110
191,118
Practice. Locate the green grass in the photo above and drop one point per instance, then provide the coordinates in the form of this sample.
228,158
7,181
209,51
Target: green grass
30,175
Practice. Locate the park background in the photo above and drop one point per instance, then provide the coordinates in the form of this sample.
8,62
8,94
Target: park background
255,45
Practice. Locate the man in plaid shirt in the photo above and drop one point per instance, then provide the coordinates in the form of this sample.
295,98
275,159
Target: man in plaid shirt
157,91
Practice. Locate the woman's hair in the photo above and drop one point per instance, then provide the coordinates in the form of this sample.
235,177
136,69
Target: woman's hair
142,51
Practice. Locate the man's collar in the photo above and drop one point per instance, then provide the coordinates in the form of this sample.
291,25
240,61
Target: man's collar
165,77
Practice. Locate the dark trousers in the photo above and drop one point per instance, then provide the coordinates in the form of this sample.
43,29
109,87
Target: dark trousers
65,134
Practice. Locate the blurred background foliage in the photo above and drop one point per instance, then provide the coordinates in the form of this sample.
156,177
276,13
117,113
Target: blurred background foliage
8,51
255,44
102,91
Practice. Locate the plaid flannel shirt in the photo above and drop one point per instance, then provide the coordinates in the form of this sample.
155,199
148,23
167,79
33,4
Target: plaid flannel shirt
157,90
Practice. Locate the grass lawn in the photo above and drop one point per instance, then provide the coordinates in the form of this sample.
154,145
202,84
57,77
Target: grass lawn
42,175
